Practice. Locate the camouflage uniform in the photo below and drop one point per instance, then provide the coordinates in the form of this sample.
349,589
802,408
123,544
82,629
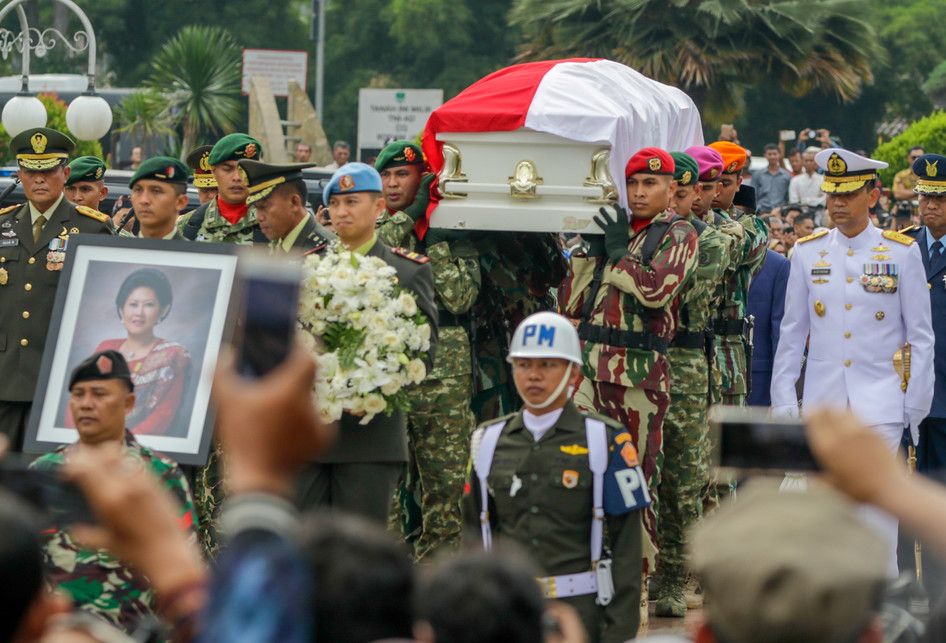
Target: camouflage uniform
634,315
731,364
519,270
98,582
685,427
217,229
440,421
208,491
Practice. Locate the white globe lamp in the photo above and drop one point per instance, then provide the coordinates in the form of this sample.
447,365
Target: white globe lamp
23,112
89,117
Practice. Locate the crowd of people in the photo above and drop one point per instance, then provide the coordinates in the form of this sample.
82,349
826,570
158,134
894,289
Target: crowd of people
555,459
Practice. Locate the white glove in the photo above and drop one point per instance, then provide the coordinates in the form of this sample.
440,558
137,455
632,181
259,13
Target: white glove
912,419
785,411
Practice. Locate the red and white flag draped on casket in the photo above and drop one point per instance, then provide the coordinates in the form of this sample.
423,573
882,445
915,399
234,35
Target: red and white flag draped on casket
581,99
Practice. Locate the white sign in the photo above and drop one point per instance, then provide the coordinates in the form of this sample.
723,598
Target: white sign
278,65
388,114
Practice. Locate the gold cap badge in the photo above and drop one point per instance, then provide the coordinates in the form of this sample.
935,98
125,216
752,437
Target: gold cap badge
931,168
204,162
654,165
38,141
685,179
345,182
836,164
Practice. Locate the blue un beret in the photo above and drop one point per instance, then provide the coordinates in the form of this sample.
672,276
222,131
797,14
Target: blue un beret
350,178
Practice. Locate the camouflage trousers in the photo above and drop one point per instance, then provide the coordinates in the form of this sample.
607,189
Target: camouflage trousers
730,369
208,496
439,426
642,413
682,480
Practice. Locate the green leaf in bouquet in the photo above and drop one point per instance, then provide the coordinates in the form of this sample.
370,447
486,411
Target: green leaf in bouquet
345,340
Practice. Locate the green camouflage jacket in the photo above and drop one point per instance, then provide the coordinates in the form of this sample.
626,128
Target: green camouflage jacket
456,272
699,302
97,581
633,297
215,228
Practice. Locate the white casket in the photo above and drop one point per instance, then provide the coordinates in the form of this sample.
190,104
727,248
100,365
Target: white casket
536,147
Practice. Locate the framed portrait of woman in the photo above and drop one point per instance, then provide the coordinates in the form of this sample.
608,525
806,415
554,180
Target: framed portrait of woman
164,305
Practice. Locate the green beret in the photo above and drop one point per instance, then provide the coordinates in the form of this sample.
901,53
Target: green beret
41,148
234,147
687,170
399,153
161,168
795,566
86,168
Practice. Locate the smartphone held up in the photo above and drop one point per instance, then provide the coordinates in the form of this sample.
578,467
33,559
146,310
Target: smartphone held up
749,438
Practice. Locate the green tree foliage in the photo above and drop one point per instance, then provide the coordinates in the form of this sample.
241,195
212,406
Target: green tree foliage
198,72
928,132
56,119
144,113
712,49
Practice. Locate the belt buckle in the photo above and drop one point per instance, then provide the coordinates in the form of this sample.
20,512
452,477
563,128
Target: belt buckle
547,583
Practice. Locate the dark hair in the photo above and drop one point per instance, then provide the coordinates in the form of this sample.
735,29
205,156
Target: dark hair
297,186
146,278
21,564
770,146
793,206
916,147
483,598
803,216
365,580
342,144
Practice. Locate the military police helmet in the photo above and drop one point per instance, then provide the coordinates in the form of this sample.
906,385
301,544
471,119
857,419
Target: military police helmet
546,334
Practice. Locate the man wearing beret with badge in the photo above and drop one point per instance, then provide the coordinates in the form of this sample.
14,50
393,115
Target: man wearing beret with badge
34,240
158,194
101,394
280,196
440,420
204,180
856,294
685,433
732,325
624,296
360,472
86,184
227,218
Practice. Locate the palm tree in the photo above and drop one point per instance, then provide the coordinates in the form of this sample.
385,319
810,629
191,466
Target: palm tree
199,72
144,114
712,49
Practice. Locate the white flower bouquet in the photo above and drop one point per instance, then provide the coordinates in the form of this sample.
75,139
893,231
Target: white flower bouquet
372,335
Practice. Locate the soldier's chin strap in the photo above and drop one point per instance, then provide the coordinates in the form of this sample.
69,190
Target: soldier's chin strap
554,395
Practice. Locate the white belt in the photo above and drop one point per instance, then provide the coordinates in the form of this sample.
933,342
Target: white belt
569,585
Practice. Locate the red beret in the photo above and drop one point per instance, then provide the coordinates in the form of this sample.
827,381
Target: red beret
650,160
734,156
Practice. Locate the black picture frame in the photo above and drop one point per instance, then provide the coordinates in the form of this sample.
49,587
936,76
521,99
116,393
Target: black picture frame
204,276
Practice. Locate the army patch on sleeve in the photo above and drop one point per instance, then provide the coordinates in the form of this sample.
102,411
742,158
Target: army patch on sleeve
410,254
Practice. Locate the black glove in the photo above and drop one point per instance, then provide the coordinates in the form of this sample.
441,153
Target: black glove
437,235
595,243
417,209
616,232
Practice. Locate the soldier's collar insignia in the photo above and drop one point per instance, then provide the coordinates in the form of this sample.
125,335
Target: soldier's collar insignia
654,164
38,142
836,165
931,170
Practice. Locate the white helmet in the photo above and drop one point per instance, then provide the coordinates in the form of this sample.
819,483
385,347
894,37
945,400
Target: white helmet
546,334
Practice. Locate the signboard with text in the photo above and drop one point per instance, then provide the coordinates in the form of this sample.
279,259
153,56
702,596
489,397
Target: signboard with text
385,115
278,65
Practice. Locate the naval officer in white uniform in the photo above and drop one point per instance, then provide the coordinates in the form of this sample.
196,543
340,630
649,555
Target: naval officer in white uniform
857,295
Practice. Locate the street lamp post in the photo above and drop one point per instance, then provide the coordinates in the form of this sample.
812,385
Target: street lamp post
89,116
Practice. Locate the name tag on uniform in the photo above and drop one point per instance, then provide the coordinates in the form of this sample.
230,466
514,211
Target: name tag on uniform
6,243
820,271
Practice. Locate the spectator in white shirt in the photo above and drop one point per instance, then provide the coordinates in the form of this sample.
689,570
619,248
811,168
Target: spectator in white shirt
805,188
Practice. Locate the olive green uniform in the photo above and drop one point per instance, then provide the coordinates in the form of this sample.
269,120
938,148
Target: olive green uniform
540,496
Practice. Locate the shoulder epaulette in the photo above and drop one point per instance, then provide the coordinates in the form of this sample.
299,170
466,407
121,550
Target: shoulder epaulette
313,250
101,217
813,236
899,237
504,418
410,254
912,228
10,208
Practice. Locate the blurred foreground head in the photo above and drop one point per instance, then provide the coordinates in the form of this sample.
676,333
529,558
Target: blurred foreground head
787,567
481,597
